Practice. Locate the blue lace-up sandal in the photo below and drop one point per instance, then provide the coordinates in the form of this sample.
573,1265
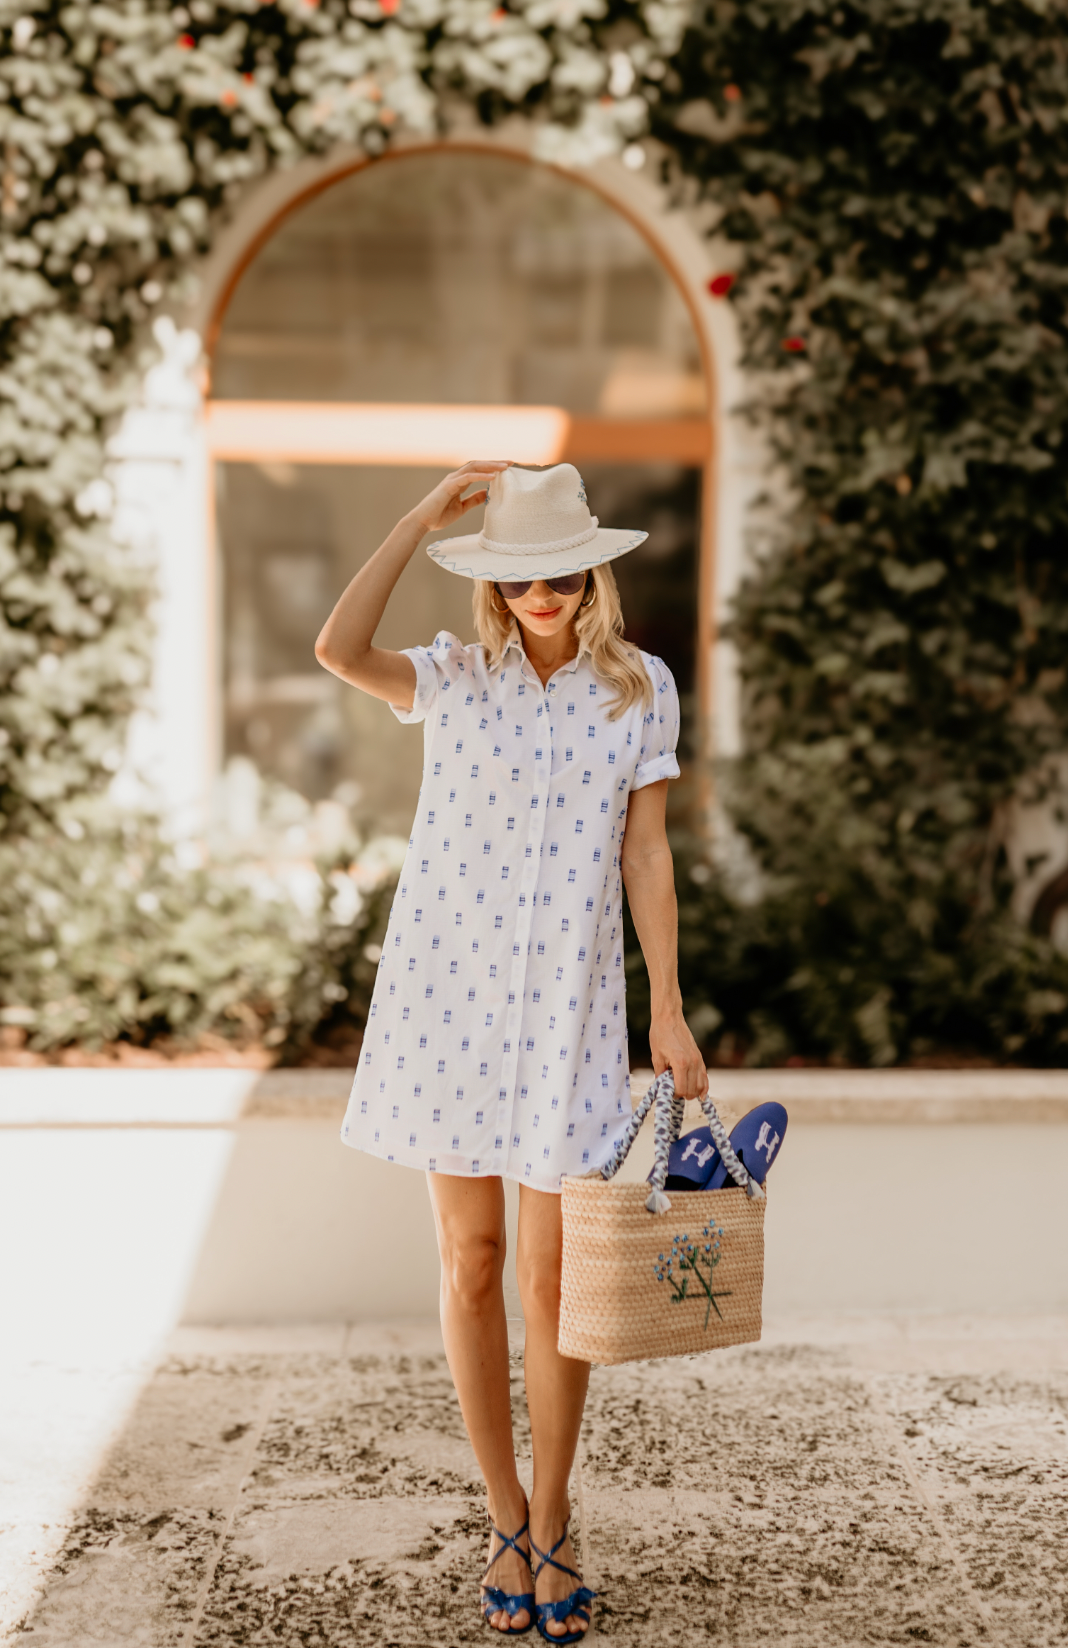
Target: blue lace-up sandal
496,1601
577,1603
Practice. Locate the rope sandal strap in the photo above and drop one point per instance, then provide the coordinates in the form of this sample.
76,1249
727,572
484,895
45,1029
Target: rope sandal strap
737,1170
667,1124
633,1128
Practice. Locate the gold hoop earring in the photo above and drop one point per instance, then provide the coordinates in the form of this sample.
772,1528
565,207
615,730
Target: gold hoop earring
589,599
494,592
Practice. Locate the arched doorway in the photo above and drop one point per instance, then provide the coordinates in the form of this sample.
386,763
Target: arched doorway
436,304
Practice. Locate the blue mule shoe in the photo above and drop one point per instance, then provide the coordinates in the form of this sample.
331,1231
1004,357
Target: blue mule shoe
692,1160
496,1601
756,1140
578,1603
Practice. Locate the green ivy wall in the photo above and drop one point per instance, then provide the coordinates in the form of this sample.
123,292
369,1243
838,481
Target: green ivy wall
894,181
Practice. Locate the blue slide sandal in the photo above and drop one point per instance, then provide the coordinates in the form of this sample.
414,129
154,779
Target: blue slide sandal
756,1139
692,1160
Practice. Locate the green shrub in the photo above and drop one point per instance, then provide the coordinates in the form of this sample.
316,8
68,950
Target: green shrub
893,180
841,975
107,934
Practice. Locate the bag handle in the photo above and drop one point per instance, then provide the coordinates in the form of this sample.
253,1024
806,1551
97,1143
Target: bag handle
667,1122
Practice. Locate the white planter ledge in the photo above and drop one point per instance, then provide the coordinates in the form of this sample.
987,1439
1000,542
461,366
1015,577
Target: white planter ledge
138,1199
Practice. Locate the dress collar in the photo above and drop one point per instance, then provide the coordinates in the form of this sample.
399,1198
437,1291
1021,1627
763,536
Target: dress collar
527,669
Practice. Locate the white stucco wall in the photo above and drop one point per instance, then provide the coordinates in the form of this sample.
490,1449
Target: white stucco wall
159,475
249,1209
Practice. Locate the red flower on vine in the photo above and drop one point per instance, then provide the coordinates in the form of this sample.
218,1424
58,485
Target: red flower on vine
228,97
186,42
388,7
733,94
720,285
794,346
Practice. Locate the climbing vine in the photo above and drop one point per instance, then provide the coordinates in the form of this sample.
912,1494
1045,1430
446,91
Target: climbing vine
893,181
126,133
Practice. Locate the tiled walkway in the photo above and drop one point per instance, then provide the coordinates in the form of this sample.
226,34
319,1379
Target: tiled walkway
843,1483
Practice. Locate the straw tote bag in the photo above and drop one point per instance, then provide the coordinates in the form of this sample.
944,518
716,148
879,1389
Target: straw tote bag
646,1275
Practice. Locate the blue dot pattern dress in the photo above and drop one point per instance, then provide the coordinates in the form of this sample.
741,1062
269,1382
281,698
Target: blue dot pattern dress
497,1036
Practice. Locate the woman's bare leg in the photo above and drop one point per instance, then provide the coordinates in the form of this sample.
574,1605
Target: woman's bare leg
556,1390
469,1215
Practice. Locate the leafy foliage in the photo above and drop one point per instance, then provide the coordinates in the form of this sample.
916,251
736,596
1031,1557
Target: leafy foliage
127,133
108,933
842,979
894,178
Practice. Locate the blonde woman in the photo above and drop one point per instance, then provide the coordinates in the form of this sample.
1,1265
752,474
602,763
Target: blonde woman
497,1045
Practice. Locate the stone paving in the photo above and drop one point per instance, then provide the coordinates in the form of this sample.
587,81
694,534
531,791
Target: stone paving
844,1482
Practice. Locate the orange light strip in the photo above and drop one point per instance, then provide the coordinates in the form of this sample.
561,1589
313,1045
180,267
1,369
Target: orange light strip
398,434
639,440
343,433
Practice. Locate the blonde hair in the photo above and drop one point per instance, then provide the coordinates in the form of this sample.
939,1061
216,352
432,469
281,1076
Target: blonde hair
599,629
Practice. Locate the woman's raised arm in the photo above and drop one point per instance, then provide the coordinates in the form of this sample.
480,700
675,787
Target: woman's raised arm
345,642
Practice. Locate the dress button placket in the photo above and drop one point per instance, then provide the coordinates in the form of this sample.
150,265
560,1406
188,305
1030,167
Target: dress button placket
528,882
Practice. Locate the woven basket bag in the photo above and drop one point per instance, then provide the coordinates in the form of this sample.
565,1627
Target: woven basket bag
636,1283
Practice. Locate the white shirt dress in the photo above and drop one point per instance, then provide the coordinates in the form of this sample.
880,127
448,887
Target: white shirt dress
497,1037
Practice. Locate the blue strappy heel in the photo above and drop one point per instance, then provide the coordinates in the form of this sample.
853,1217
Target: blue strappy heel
577,1603
496,1601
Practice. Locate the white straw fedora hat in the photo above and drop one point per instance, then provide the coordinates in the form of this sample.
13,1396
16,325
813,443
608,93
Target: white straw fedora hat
537,525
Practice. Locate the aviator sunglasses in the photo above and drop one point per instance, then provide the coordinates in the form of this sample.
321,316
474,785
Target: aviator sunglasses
568,583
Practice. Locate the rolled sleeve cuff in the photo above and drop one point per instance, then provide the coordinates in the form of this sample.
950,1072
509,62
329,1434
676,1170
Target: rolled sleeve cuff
651,772
426,686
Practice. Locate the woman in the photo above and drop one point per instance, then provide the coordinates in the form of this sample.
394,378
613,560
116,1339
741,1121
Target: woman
496,1042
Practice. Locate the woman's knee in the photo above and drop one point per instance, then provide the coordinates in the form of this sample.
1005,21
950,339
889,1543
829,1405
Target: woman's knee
539,1253
472,1265
538,1276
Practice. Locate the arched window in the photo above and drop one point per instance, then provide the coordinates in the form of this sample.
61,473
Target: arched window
432,306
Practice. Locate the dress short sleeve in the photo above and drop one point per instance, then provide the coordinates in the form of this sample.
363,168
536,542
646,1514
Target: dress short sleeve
437,668
660,729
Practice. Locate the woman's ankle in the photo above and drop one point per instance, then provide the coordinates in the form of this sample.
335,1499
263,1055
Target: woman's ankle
508,1508
550,1514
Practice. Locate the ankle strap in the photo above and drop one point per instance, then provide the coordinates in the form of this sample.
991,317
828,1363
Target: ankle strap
548,1558
509,1542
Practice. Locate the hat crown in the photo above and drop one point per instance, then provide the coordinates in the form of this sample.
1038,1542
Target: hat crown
528,508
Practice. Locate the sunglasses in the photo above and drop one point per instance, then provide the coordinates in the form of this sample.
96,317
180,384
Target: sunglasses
569,583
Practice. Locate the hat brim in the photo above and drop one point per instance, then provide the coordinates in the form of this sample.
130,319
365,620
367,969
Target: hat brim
471,559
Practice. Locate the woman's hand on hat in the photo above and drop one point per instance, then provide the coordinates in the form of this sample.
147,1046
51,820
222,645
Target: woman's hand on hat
447,504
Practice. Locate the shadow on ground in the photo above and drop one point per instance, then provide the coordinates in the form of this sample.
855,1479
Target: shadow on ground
879,1483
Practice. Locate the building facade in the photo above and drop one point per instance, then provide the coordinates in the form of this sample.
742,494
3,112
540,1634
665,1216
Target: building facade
361,326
